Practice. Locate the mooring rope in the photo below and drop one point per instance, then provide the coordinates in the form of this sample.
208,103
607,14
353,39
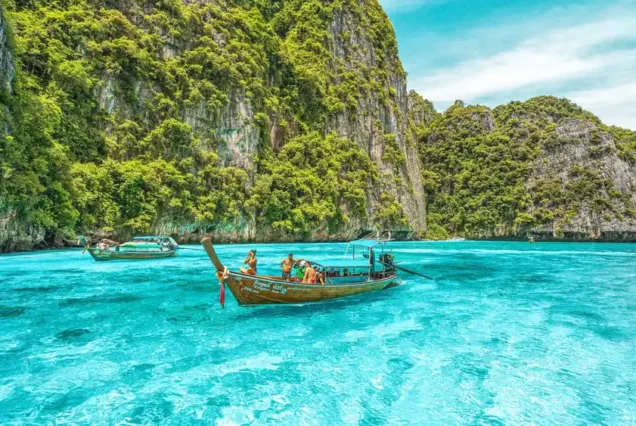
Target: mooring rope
190,248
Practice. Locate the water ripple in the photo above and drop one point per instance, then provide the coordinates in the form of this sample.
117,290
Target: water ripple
508,333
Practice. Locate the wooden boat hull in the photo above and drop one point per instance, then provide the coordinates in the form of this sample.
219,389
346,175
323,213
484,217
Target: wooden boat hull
260,290
264,290
107,255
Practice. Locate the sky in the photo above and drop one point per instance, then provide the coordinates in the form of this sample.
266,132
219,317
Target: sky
491,52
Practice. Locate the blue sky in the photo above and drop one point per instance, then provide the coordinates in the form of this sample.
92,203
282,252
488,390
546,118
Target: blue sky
493,51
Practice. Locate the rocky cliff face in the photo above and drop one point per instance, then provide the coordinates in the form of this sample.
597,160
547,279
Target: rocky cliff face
544,168
421,111
7,67
379,121
170,117
13,234
587,157
276,121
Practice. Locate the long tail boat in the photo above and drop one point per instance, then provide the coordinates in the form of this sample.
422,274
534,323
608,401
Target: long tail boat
146,247
349,277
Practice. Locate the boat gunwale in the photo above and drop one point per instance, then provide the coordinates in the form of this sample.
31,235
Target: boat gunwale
92,249
296,284
112,255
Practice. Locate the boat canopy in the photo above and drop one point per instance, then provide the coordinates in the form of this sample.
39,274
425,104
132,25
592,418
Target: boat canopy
366,243
147,238
155,238
346,263
140,245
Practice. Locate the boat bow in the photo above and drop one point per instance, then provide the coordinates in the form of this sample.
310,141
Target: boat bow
209,249
221,271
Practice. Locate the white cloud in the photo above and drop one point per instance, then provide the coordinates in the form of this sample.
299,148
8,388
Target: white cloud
398,6
600,50
562,54
615,104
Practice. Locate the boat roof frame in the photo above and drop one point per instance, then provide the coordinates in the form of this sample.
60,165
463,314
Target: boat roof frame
343,263
154,237
368,243
148,237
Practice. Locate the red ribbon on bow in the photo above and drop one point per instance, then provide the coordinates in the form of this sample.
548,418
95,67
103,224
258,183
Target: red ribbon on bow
222,277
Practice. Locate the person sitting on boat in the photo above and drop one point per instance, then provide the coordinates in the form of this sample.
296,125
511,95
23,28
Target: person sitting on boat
300,272
110,243
310,275
286,265
320,277
251,262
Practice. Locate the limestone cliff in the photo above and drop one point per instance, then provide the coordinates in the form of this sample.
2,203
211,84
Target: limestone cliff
377,123
177,117
586,157
544,168
7,67
276,121
13,234
421,111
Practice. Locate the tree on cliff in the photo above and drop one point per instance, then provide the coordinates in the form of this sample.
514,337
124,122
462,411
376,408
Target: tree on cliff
117,123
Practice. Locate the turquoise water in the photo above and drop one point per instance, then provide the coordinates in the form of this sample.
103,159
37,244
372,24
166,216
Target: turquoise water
509,333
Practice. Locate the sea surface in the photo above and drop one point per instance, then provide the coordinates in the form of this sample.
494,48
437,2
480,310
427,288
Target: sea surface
507,333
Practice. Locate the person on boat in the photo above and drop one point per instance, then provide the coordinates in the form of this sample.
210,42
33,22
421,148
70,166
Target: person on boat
310,275
251,262
320,277
300,273
286,265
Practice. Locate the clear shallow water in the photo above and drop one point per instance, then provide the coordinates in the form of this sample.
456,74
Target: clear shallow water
510,333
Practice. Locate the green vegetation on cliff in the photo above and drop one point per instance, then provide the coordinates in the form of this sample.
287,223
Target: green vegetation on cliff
519,166
114,119
34,168
138,116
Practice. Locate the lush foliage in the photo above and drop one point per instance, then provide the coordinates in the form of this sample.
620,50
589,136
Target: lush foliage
29,186
314,180
113,121
481,168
